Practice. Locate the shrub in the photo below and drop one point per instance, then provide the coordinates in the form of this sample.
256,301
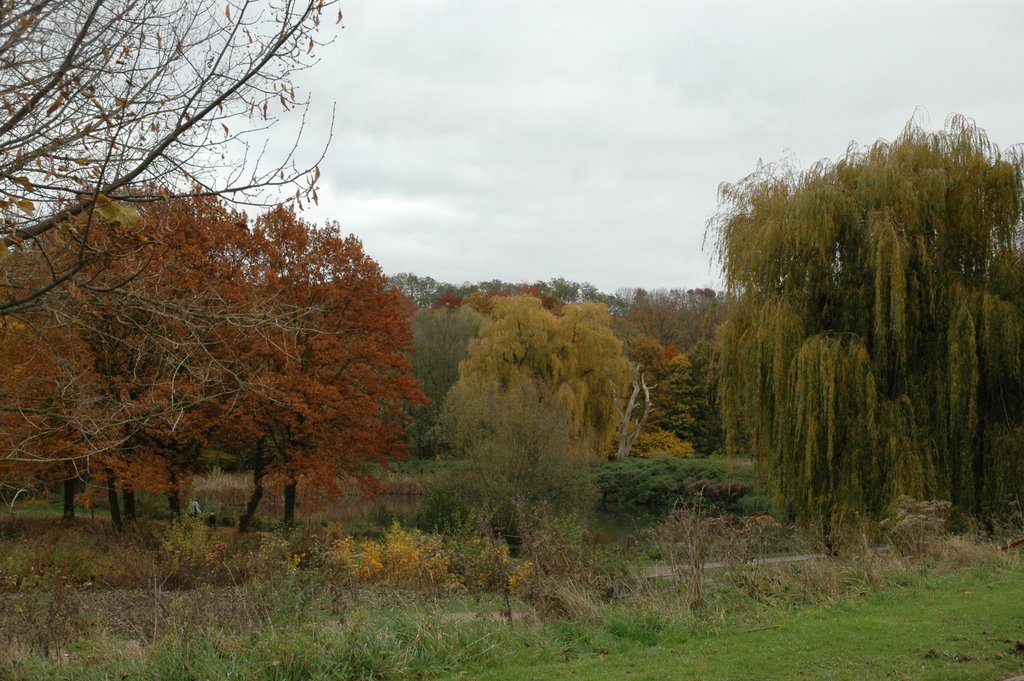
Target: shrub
716,495
683,538
443,510
658,442
516,445
193,552
661,483
915,527
564,576
405,558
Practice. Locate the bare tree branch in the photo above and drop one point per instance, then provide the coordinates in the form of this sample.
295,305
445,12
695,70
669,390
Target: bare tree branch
109,103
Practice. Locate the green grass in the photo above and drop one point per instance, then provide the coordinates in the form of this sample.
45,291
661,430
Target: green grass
966,626
51,509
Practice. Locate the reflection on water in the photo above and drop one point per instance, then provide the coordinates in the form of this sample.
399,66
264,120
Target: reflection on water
363,514
376,513
369,513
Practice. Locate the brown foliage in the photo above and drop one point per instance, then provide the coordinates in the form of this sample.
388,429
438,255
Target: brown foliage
281,343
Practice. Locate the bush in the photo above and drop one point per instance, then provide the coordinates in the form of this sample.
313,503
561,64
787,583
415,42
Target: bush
192,552
402,558
516,445
565,576
917,528
443,510
661,483
658,442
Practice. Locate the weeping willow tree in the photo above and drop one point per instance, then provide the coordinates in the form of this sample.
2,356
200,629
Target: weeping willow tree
875,342
574,356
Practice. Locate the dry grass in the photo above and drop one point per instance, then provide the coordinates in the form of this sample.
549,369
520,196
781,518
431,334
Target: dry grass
227,494
58,581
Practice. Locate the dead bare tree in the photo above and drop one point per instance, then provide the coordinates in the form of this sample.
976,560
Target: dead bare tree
631,424
107,104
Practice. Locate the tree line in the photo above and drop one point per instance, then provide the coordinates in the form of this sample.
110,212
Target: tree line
273,341
281,348
868,345
148,326
527,390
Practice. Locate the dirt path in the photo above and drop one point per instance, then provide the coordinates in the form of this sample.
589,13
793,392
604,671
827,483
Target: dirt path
666,571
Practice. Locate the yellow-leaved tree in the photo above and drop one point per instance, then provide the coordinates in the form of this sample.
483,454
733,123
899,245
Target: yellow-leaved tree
533,401
572,355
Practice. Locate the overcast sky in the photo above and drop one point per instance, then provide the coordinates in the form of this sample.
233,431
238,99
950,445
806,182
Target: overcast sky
481,139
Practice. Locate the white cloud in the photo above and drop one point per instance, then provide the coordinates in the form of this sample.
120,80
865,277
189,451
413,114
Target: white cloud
526,140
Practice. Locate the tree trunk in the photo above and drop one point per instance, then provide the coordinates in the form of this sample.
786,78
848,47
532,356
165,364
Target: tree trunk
115,506
245,522
69,498
630,428
129,505
290,491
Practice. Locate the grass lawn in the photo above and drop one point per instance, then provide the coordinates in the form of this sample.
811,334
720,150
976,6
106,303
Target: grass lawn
968,626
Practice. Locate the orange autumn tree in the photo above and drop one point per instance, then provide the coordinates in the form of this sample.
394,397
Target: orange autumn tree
59,417
333,391
161,322
47,414
281,343
203,305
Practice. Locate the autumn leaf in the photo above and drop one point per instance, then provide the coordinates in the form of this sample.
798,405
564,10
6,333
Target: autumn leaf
23,181
56,105
115,211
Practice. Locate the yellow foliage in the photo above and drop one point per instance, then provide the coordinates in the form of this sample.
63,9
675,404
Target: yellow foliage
655,441
370,566
574,355
275,553
489,565
523,573
188,543
412,559
343,557
402,558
